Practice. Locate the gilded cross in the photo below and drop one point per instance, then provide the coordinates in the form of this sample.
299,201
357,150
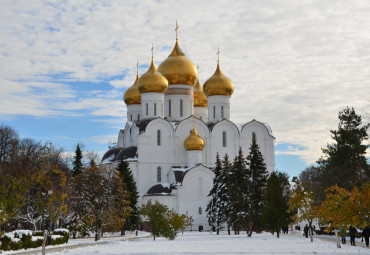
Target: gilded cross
218,55
177,28
152,50
137,65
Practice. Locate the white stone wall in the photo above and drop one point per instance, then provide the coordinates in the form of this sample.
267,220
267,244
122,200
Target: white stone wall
218,108
134,112
153,102
175,94
201,113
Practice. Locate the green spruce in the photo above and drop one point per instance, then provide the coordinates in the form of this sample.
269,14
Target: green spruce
77,162
133,221
258,175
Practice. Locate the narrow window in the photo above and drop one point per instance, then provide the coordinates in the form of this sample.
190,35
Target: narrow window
224,139
155,109
253,136
200,210
159,174
158,137
222,112
214,112
181,110
138,117
169,108
131,117
147,109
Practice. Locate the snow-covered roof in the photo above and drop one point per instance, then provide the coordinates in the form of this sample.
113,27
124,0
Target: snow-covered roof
116,154
161,189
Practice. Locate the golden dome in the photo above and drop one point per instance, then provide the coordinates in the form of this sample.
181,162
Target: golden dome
218,84
132,94
178,69
152,81
200,99
194,142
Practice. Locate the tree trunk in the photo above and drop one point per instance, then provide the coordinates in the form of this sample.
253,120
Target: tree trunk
310,231
44,242
154,237
338,239
218,231
122,232
278,232
228,230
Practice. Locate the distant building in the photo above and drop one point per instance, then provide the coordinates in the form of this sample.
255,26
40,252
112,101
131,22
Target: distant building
175,127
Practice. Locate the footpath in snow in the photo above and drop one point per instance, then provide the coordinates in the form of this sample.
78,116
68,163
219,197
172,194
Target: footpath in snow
210,243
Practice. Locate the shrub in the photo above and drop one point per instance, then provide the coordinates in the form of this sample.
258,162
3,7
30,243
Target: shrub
15,245
26,241
5,243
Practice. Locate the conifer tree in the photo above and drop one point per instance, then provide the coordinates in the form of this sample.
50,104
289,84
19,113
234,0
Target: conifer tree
217,208
345,162
77,162
238,187
275,213
258,175
132,222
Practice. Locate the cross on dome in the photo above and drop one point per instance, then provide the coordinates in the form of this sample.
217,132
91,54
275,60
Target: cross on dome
176,29
218,55
152,50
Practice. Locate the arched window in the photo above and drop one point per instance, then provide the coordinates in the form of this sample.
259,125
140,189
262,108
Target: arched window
224,139
254,136
200,210
138,117
214,112
181,110
169,108
159,174
155,109
130,117
158,137
147,109
222,112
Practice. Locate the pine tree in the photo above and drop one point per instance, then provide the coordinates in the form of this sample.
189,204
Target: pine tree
258,172
127,177
238,187
345,162
217,208
77,162
275,213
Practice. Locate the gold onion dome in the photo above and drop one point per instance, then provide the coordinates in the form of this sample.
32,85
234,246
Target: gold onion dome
132,94
194,142
200,99
178,69
218,84
152,81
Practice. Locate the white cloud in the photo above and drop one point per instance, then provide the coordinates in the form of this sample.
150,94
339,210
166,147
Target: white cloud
294,64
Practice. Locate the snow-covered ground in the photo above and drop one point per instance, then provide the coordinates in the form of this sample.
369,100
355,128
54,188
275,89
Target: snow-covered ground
210,243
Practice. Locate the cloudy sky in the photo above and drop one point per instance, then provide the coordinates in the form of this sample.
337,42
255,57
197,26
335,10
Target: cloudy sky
64,65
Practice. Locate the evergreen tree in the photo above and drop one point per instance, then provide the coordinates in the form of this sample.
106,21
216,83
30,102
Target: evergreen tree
77,162
345,160
238,187
217,207
132,222
258,172
275,213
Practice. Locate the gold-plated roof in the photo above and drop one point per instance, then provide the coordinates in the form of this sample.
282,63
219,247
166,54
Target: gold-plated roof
132,94
178,69
218,84
152,81
194,142
200,99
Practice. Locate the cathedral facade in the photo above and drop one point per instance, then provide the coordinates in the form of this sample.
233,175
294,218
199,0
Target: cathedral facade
175,128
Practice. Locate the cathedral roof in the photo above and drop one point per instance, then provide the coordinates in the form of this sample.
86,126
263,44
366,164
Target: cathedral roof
194,142
116,154
161,189
200,99
132,94
218,84
178,69
152,81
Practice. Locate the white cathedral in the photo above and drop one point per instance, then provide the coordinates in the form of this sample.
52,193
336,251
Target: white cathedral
175,127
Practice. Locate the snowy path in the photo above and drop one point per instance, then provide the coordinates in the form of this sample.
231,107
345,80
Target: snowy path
207,243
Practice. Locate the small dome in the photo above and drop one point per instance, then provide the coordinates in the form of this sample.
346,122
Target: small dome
200,99
152,81
178,69
194,142
132,94
218,84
